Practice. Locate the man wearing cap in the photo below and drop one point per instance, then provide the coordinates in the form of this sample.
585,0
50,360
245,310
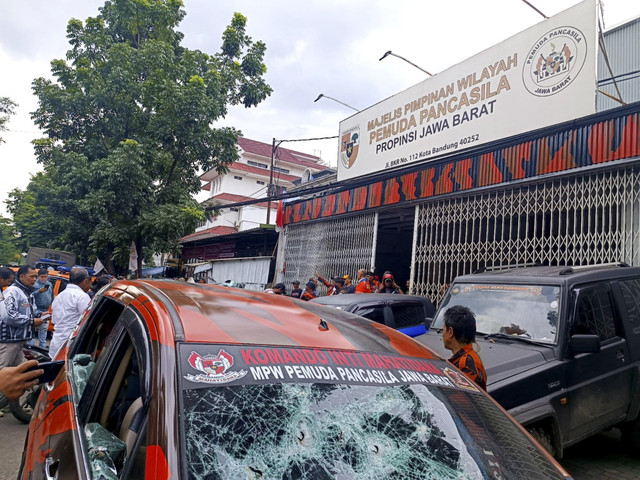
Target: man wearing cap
389,285
332,288
297,291
309,292
366,285
348,286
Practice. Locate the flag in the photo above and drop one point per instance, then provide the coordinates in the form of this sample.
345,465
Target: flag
280,218
98,267
133,257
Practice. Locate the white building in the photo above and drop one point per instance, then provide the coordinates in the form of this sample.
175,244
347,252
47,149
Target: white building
248,179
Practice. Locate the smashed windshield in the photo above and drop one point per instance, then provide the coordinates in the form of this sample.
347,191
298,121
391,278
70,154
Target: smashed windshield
527,311
405,420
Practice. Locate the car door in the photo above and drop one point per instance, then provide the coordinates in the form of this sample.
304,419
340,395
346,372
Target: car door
99,428
599,383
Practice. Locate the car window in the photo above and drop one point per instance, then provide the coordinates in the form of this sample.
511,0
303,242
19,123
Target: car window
408,315
631,294
595,314
529,311
372,313
112,411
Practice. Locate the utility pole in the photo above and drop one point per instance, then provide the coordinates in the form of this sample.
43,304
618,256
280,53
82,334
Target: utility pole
270,187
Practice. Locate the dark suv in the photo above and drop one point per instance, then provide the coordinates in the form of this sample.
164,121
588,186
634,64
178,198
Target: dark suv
561,346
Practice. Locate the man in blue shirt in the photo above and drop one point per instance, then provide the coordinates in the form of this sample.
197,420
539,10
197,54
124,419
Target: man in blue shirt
43,295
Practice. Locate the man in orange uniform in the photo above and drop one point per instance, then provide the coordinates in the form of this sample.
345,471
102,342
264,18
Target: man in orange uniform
365,284
458,335
309,292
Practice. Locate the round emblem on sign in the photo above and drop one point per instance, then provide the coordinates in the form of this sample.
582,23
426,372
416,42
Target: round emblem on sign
554,61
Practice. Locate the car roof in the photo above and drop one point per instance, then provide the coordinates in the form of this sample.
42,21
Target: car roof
216,314
350,299
552,275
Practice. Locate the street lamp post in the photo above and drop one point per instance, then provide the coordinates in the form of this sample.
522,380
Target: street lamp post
322,95
402,58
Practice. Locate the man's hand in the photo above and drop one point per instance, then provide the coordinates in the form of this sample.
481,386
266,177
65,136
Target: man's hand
37,321
15,380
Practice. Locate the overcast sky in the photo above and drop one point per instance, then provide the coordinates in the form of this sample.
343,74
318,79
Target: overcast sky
314,46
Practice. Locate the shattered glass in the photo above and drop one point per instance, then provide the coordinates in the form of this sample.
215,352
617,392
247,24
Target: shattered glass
106,452
82,368
317,431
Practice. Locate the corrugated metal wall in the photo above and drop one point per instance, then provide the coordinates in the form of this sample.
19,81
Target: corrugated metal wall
623,48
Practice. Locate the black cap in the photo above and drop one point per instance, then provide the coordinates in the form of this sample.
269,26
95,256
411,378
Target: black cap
311,285
280,286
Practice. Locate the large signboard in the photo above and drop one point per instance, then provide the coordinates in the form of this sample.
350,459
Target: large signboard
542,76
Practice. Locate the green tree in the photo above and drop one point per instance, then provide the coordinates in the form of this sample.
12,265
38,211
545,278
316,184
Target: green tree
7,108
33,220
129,119
8,251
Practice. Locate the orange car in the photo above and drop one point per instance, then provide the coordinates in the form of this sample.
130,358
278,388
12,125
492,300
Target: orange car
172,380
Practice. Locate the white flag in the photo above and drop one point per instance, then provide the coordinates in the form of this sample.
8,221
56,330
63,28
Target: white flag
98,267
133,257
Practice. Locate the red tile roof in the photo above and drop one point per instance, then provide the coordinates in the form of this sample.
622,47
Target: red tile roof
209,232
262,172
232,197
284,154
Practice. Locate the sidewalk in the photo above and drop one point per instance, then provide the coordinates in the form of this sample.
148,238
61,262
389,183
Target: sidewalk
602,457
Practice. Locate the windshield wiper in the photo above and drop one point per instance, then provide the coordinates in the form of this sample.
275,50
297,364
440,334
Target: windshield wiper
506,336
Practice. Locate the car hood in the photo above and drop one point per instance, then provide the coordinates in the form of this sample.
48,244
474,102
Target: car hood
501,358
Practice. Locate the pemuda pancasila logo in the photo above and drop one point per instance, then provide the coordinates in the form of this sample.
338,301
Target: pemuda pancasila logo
349,146
214,368
555,61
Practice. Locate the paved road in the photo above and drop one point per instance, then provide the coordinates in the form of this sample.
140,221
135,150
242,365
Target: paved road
601,457
12,434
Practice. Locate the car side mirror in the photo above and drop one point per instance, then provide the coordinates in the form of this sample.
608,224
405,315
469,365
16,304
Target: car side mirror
584,344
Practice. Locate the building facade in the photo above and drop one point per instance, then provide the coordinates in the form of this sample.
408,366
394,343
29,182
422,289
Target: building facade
567,194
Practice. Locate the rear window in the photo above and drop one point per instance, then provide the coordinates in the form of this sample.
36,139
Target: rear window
408,315
264,412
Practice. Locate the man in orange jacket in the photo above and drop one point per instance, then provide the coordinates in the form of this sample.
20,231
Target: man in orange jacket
365,284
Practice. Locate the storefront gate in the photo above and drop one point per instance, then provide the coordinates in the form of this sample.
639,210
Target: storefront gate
578,220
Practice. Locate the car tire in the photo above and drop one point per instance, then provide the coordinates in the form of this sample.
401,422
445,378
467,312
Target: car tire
22,408
543,438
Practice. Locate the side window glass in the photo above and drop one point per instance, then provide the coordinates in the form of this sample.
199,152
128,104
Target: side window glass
372,313
115,421
408,315
63,284
595,314
631,294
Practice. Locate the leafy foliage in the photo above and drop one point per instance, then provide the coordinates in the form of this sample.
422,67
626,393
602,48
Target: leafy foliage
8,251
7,108
128,123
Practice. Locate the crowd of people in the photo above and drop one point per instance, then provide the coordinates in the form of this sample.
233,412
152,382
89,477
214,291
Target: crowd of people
26,296
366,282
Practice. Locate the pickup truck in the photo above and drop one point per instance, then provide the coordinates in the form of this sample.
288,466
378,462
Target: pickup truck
561,347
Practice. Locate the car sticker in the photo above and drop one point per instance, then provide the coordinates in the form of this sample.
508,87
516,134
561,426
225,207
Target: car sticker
243,365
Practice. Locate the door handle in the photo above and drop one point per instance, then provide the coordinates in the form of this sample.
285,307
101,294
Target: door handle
51,468
620,355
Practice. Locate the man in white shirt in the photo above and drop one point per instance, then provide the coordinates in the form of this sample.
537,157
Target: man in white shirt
67,308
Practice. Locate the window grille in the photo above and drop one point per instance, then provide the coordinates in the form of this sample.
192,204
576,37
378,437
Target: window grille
331,247
579,220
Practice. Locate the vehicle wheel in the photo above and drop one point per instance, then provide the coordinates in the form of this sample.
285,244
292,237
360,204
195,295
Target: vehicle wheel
543,438
22,408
